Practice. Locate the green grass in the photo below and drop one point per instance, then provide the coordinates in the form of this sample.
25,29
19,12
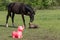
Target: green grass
48,22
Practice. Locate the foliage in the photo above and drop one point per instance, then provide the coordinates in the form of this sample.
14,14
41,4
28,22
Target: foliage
3,4
38,4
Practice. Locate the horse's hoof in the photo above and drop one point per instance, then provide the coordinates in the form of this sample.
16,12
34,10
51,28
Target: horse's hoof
6,25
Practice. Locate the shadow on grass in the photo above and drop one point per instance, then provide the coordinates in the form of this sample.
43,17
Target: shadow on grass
8,26
15,38
10,36
16,26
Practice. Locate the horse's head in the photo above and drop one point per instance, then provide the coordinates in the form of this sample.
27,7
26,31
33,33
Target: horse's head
30,11
32,16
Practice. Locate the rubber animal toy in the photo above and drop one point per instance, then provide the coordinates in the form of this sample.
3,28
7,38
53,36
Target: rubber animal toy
18,33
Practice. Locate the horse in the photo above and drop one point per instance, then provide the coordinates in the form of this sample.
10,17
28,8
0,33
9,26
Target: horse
19,8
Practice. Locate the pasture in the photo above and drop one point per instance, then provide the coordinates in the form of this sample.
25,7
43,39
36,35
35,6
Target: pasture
48,22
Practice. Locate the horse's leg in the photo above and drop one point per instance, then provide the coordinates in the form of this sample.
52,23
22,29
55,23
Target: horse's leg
9,14
23,20
13,18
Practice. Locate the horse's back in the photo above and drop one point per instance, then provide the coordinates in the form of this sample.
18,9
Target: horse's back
15,7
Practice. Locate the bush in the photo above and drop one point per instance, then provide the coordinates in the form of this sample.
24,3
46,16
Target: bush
37,4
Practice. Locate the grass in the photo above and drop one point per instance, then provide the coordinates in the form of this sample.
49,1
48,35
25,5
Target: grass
47,20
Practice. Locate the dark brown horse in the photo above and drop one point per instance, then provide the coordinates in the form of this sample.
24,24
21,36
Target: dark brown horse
19,8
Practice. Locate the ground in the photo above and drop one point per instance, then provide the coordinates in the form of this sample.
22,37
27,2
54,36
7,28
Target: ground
48,22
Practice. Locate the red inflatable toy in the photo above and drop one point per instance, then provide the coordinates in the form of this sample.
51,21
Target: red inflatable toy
18,33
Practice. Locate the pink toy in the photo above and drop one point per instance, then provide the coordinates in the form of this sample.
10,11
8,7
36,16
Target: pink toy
18,33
